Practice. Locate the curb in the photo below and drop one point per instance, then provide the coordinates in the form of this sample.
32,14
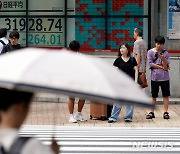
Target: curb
64,99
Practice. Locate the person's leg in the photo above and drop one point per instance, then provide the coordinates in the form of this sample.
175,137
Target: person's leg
151,115
166,103
129,113
71,105
154,103
154,92
80,105
115,113
78,116
165,88
71,110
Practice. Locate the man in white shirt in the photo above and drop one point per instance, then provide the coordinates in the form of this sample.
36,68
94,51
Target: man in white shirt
3,38
14,107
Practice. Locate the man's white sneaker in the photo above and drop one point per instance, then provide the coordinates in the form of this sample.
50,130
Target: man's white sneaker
79,117
72,119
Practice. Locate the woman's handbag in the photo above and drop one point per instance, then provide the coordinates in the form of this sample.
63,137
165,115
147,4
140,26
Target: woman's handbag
142,80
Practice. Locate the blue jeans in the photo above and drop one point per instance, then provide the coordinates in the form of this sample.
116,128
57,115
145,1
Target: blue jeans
117,109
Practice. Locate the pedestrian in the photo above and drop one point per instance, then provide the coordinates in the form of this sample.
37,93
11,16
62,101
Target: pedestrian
14,107
13,45
3,38
158,59
74,47
140,54
128,65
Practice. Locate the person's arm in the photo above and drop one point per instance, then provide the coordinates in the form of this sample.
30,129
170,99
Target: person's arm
138,58
136,73
165,60
157,66
136,51
150,61
54,146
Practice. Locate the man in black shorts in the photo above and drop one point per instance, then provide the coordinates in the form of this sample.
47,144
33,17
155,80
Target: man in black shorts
158,59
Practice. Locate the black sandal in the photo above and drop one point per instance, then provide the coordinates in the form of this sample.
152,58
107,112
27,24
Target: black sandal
166,115
150,115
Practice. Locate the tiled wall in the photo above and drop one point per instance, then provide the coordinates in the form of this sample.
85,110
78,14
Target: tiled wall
91,31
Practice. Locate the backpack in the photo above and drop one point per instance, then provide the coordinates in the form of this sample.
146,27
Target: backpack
16,147
9,47
2,42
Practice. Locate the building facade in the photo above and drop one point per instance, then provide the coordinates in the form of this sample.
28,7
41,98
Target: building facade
96,24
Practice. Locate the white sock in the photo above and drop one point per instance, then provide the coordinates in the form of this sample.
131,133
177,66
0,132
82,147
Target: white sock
78,113
71,115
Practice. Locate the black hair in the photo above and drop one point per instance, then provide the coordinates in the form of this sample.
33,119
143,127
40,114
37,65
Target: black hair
128,48
74,45
14,34
3,32
138,31
10,97
160,39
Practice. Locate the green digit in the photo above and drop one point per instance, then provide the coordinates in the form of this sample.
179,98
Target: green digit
43,39
52,39
59,40
36,39
30,40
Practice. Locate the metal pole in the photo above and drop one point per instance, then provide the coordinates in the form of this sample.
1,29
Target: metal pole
106,23
27,10
149,24
65,24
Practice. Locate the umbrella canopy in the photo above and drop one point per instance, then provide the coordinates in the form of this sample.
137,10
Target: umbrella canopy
68,73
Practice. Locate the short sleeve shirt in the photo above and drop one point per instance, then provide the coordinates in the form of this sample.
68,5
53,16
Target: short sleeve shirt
126,67
158,74
140,47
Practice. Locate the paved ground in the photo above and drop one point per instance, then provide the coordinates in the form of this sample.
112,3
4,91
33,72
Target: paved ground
46,113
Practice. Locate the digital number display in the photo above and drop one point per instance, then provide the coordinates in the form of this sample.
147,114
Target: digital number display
41,31
43,39
34,24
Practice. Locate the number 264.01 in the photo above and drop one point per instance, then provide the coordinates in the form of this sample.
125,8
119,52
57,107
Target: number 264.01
44,40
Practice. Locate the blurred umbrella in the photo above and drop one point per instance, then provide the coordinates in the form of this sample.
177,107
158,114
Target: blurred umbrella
68,73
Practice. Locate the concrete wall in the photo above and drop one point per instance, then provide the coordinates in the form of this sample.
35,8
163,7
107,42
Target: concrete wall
174,82
174,75
159,24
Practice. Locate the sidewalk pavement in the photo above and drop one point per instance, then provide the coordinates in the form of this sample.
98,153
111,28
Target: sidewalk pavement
48,113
